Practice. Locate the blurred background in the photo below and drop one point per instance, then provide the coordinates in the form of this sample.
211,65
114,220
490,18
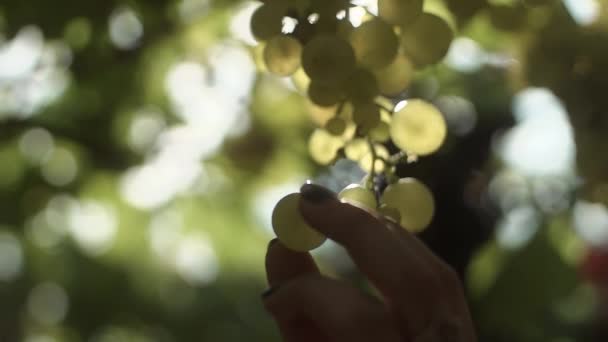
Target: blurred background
142,150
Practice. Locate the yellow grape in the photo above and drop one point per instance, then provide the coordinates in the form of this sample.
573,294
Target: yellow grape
366,161
356,149
396,77
418,128
380,133
427,40
324,147
267,20
361,86
359,195
328,59
320,115
290,227
258,57
300,80
399,12
375,43
413,200
367,116
282,55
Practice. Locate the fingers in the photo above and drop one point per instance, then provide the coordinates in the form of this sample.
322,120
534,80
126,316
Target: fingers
405,278
341,312
283,264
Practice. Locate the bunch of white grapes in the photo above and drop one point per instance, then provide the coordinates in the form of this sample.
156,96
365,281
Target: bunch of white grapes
352,77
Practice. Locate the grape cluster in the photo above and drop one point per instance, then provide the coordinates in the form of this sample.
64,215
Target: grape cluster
355,78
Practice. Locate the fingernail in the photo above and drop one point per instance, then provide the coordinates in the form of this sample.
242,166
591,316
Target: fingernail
269,292
316,194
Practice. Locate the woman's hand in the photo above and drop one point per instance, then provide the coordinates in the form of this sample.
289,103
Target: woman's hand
422,300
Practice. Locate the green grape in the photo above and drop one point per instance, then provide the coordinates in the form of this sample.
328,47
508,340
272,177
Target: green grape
390,213
325,94
282,55
366,161
375,43
344,29
324,147
290,227
427,40
328,59
380,133
320,115
413,200
361,86
356,149
267,20
335,126
367,116
258,57
396,77
359,195
399,12
300,80
418,128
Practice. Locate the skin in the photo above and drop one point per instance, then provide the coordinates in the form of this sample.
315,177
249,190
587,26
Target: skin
421,297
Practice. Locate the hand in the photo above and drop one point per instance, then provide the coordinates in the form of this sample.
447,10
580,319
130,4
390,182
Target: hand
422,297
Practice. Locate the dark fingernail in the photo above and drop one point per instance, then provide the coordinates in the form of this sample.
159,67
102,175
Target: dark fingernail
316,194
272,242
269,292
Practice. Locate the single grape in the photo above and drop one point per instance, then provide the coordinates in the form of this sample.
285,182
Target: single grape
335,126
324,94
359,195
399,12
356,149
282,55
267,20
418,128
290,227
328,59
361,86
375,43
380,133
396,77
367,116
300,80
427,40
413,200
390,213
323,146
320,115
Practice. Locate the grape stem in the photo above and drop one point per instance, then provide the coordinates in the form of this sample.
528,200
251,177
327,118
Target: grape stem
391,111
340,108
372,174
